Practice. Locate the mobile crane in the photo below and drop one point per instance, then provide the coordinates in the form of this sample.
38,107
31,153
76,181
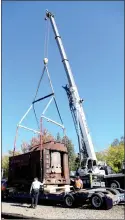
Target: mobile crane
87,156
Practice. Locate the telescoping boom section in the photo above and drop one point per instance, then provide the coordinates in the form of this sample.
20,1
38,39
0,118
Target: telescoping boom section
86,149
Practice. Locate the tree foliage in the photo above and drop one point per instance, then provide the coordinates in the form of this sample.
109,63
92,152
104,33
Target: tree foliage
25,147
10,152
58,138
46,136
115,142
5,162
101,156
77,161
5,165
114,155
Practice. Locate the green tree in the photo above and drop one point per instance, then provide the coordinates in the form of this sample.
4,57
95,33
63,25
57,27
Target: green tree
46,136
10,152
5,165
122,140
115,142
77,161
115,157
5,162
101,156
58,138
25,147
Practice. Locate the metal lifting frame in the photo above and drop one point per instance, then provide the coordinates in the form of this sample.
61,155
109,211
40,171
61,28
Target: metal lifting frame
52,95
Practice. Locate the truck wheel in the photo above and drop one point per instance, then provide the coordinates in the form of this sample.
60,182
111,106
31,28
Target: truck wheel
113,191
115,184
97,200
69,201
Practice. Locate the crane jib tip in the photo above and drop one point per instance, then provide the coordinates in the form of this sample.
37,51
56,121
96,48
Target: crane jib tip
49,14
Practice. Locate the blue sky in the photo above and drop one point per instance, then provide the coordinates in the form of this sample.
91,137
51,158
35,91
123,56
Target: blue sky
93,36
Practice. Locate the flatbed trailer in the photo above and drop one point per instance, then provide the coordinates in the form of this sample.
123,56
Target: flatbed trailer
99,198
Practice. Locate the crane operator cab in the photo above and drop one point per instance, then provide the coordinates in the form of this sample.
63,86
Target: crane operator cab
89,166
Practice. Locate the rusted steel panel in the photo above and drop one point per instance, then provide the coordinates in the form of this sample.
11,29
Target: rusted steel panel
53,160
54,167
66,167
51,145
20,159
23,159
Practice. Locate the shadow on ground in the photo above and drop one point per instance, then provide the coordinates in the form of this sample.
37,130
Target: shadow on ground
24,203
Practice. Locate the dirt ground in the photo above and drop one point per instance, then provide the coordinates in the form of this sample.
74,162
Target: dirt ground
58,212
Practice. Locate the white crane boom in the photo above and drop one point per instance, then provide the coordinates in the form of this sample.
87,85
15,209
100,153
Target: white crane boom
86,149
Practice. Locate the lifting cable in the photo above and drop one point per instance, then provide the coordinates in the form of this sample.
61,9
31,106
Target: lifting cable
39,83
54,95
36,117
36,95
46,43
46,46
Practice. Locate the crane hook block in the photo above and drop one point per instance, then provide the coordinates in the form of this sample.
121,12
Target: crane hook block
45,61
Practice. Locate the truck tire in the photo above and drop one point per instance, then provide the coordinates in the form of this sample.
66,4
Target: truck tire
97,200
69,201
113,191
115,184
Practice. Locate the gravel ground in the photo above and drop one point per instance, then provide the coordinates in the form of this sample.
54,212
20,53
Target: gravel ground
56,212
